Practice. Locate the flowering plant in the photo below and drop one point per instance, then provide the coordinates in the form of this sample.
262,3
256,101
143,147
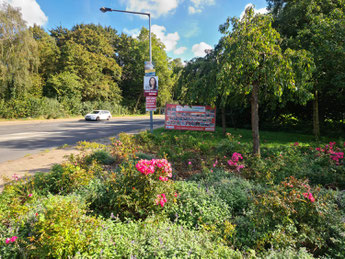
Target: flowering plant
143,188
234,161
334,153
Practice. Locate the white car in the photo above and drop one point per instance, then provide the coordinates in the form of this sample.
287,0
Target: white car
98,115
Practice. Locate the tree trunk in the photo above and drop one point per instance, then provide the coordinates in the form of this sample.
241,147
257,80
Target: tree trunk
255,119
137,103
223,121
316,121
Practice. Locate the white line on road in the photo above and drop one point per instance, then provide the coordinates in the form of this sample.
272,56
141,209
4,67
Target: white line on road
24,135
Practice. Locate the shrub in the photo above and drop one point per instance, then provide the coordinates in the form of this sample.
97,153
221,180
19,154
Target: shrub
100,156
234,190
58,228
198,207
137,190
124,148
158,239
294,214
62,179
288,253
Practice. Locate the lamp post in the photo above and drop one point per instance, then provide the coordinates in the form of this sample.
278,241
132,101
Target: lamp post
106,9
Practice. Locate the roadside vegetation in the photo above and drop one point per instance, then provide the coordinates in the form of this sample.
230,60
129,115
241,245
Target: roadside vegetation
182,194
284,68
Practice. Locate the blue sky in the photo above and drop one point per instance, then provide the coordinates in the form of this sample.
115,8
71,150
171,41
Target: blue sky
187,27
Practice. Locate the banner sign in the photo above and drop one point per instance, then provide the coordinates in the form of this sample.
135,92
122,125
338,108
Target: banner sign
151,85
178,117
151,103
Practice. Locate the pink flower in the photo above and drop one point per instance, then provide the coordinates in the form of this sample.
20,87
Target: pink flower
175,194
231,163
14,238
189,163
311,198
296,144
30,195
161,199
162,202
163,179
211,171
8,240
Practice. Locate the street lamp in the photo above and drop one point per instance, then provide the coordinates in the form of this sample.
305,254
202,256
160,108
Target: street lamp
106,9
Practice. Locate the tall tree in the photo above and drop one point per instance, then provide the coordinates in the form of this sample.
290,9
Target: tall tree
317,26
254,63
88,53
18,54
131,55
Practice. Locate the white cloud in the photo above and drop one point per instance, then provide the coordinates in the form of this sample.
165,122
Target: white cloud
197,6
256,11
199,49
134,33
180,50
192,10
155,7
30,9
170,40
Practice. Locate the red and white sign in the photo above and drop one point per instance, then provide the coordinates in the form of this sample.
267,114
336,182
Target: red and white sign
151,103
151,85
178,117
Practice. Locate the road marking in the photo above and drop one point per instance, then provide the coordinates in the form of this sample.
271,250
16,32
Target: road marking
24,135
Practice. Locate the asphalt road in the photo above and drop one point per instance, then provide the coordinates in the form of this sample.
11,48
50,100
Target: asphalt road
20,139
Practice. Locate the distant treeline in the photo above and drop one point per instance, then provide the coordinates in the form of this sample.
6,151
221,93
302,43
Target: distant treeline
72,71
291,61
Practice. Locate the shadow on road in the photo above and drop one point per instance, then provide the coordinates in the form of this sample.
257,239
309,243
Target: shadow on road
72,132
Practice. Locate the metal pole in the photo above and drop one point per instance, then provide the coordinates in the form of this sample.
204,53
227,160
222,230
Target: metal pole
151,113
105,9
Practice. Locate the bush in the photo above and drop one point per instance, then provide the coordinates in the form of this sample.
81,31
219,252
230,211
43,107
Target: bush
100,156
58,228
158,239
198,207
288,253
124,148
294,214
137,190
234,190
62,179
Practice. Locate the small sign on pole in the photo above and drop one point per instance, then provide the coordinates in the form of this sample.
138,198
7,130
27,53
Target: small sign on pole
151,103
150,80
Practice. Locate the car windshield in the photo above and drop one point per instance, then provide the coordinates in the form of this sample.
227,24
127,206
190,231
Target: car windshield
95,112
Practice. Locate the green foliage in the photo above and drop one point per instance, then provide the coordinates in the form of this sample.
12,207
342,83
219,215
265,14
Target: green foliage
60,228
129,193
123,149
294,214
214,213
62,179
198,207
288,253
18,55
100,156
152,238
